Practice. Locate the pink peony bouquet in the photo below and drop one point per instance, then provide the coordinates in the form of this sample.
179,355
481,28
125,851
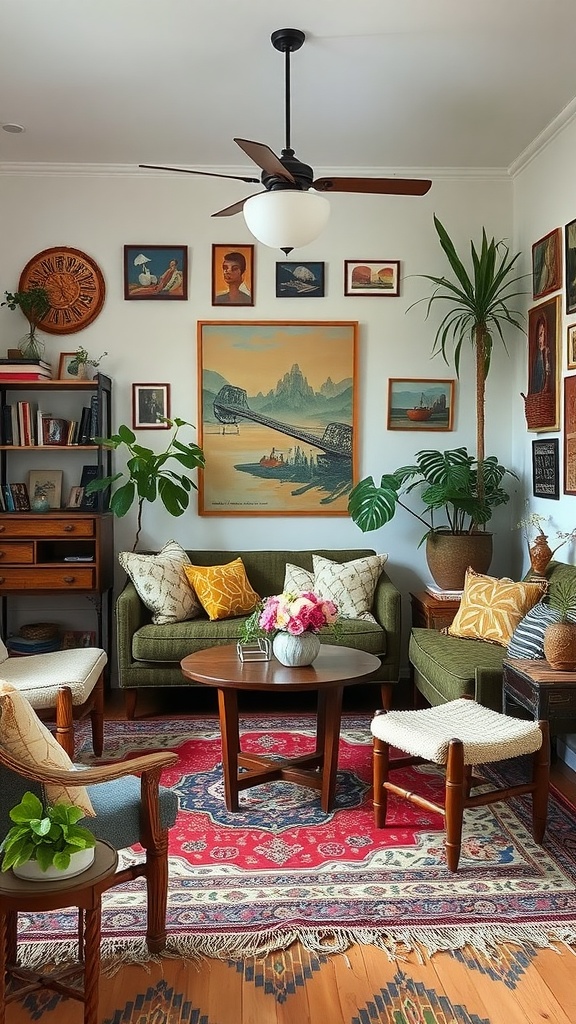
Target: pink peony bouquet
292,613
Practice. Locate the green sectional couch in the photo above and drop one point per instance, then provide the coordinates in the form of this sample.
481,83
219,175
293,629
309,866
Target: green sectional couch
447,667
149,655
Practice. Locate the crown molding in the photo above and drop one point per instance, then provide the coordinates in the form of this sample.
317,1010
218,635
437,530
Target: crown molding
556,127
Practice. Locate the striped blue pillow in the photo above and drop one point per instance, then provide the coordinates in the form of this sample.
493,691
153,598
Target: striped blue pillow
527,640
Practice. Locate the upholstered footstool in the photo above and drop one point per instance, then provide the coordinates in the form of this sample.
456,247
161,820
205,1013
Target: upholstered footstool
459,734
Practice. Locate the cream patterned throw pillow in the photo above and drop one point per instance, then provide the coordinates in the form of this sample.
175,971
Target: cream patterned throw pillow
23,735
350,585
297,580
491,609
162,584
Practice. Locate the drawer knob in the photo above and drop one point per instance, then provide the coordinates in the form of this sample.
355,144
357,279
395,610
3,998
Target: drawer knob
2,553
2,579
2,529
68,528
69,579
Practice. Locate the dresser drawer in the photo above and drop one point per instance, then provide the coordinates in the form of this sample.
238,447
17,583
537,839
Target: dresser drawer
36,526
16,553
46,578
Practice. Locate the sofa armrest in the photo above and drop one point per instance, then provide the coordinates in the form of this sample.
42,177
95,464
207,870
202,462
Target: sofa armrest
387,610
488,689
131,614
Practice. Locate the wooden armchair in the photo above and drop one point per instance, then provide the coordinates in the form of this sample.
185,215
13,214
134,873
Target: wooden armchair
128,810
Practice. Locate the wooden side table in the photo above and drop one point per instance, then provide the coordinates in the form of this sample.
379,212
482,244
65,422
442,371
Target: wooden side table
83,891
431,612
543,691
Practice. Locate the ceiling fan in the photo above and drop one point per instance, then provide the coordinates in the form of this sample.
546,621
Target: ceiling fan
286,172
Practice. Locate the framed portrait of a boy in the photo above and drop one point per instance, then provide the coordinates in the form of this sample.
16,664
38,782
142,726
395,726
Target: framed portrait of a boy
547,264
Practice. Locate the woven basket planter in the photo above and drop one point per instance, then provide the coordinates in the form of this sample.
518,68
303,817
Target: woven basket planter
560,646
450,554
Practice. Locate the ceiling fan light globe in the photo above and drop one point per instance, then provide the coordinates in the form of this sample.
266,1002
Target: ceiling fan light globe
286,219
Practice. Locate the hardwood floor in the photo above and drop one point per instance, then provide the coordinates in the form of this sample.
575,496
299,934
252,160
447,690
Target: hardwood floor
362,986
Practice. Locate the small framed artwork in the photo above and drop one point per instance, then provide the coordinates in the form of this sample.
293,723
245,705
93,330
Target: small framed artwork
299,280
63,371
420,404
232,275
542,403
547,264
570,265
75,497
150,406
372,277
45,483
74,638
155,271
570,434
546,468
571,347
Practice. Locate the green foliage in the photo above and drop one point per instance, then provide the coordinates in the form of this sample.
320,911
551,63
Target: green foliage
47,835
148,475
449,482
34,303
562,597
82,357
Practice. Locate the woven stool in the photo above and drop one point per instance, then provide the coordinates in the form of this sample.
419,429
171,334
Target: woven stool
460,734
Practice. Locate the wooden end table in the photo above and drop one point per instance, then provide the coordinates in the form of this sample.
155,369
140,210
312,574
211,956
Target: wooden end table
543,691
334,668
83,891
430,612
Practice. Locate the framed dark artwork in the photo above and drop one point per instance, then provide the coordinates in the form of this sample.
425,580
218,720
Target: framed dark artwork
547,264
232,275
150,406
542,403
570,434
278,411
571,347
570,265
420,404
372,277
546,468
156,272
299,280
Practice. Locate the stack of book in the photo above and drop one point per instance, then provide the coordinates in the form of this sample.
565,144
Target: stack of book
24,369
444,595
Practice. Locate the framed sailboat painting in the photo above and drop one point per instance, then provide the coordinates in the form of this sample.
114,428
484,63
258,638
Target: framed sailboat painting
420,404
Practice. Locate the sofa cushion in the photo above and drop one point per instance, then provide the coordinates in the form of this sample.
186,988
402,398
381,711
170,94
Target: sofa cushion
161,584
350,585
491,608
450,663
223,590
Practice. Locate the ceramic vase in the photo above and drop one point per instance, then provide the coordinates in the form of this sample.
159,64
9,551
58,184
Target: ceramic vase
540,554
79,862
294,651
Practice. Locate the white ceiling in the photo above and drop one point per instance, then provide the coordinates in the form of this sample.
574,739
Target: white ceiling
379,84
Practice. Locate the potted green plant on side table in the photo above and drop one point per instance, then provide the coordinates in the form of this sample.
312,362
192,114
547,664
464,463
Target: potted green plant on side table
46,842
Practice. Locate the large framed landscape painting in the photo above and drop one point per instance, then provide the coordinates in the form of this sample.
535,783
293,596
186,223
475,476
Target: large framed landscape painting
278,410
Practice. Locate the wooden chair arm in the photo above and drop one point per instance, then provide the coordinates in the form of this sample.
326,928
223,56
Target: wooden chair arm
140,765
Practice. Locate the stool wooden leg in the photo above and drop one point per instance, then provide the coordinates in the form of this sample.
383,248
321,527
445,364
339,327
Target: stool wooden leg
65,720
456,779
97,717
91,963
381,764
541,780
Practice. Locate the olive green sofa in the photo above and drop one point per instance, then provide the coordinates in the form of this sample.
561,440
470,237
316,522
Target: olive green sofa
150,655
447,667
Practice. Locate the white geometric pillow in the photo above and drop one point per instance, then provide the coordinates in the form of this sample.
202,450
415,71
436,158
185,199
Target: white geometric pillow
161,583
23,735
297,580
350,585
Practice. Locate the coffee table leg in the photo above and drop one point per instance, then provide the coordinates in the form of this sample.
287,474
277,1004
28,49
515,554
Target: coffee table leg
329,718
228,708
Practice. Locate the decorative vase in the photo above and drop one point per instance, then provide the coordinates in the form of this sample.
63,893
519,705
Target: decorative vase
540,554
83,372
294,651
79,862
449,555
560,646
40,504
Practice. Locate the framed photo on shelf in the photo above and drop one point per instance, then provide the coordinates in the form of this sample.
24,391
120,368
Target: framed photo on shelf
75,497
571,347
232,275
420,404
299,280
150,406
273,443
372,277
542,402
546,468
156,272
63,364
46,483
547,264
570,434
570,265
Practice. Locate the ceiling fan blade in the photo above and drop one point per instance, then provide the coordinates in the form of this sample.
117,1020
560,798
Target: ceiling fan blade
379,186
204,174
265,158
229,211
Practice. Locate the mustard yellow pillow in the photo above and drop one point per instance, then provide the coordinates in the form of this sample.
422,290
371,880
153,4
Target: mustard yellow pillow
491,609
223,590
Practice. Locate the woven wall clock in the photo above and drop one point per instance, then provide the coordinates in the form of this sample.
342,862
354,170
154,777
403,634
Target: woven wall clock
74,283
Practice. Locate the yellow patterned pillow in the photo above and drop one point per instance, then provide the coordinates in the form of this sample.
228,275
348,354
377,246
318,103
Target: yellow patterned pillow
491,609
23,735
223,590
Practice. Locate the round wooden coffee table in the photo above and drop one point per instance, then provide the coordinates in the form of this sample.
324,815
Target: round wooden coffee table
334,668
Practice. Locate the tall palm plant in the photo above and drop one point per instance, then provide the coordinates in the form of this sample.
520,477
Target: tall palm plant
479,310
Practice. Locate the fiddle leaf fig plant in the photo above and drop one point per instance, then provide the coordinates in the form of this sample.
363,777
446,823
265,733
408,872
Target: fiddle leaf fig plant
148,474
47,835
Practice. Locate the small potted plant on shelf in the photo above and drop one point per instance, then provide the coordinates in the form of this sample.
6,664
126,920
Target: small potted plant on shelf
34,303
46,842
78,366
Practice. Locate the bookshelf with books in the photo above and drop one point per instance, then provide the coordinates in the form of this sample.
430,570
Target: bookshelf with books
54,538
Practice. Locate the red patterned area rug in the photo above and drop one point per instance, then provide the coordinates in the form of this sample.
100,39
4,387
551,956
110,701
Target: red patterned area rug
281,869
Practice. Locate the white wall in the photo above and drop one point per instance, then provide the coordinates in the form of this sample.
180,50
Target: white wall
156,341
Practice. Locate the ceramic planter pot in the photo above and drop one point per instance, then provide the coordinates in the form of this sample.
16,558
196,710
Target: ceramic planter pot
295,651
449,555
560,646
32,871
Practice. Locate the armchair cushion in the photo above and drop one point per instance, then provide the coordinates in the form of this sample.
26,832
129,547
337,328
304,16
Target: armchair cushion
118,808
